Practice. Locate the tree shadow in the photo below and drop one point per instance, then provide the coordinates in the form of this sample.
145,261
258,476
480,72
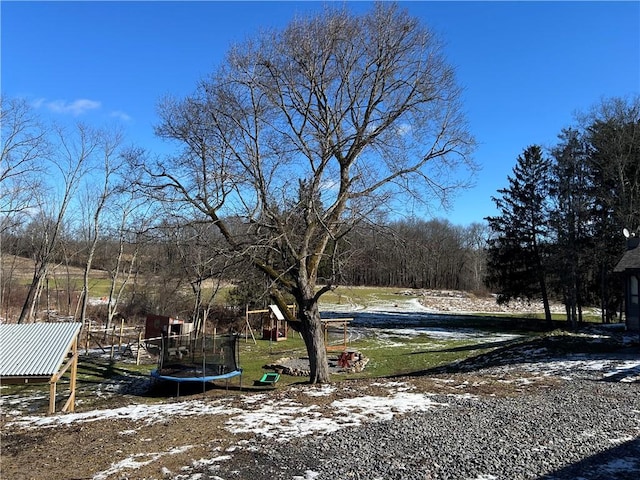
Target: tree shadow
628,375
407,319
471,347
621,462
95,372
547,349
159,388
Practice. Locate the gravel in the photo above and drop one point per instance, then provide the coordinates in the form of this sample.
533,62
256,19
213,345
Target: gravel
583,428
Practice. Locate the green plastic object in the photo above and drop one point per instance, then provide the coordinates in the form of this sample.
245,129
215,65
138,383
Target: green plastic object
268,379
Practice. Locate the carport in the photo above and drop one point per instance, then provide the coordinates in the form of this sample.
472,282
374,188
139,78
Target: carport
40,353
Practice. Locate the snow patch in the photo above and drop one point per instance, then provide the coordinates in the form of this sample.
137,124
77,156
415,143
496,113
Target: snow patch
322,391
308,475
136,461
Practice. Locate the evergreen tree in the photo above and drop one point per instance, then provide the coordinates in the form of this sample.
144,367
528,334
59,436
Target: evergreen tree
571,192
519,234
613,136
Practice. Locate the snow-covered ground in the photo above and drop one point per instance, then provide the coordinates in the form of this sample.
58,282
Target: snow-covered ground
282,418
279,418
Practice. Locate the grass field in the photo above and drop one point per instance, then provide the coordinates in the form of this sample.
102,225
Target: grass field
361,295
388,353
103,383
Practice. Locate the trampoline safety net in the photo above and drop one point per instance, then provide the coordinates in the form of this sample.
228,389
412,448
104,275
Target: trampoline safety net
188,356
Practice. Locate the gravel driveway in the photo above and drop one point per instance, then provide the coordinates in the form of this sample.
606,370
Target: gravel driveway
579,428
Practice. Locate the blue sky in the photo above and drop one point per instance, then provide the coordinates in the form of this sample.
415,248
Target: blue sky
526,67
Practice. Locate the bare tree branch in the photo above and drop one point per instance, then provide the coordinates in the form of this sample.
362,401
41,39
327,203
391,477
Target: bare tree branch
305,132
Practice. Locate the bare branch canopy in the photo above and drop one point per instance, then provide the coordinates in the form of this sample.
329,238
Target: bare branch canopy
306,131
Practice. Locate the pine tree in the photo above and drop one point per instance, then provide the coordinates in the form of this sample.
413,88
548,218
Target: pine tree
571,192
519,234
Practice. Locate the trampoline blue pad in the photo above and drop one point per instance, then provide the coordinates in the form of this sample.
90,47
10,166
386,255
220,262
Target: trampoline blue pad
206,378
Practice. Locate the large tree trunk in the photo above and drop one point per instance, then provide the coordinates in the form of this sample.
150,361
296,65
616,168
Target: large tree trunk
85,280
313,336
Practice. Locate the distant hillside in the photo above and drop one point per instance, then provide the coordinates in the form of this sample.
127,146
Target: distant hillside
22,268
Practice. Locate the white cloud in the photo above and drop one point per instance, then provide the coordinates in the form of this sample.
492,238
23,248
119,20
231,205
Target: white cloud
120,115
75,108
38,102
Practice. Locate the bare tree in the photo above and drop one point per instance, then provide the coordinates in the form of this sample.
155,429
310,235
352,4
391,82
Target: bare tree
70,161
105,185
304,132
475,238
133,220
24,145
204,262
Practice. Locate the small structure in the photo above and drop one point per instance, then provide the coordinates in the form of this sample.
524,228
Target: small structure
629,268
158,325
40,353
275,329
336,323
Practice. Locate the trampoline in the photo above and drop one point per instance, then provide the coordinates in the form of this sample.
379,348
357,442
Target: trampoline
186,358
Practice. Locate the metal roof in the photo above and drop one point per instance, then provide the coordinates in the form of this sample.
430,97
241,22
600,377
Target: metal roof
35,349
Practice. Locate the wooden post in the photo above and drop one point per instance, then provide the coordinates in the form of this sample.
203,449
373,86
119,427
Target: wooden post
325,327
139,347
246,324
113,334
286,328
74,375
344,333
70,405
52,394
121,333
86,342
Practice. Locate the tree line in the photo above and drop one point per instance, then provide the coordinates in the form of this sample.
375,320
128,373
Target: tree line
558,234
176,268
559,228
420,254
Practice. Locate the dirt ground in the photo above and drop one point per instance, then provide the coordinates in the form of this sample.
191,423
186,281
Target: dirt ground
121,445
79,450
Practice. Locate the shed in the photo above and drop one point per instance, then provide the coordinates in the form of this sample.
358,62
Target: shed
40,353
629,268
158,326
